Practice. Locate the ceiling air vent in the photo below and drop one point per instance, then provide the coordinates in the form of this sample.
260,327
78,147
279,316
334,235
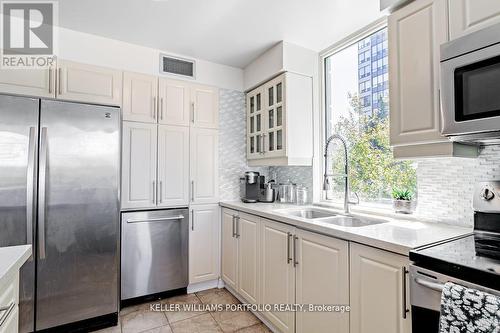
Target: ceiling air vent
177,66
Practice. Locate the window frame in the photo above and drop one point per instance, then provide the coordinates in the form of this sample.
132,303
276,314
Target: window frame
318,170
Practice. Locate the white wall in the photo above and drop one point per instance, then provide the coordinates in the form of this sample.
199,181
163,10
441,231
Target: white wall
101,51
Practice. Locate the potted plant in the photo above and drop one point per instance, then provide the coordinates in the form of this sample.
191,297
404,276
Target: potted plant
403,201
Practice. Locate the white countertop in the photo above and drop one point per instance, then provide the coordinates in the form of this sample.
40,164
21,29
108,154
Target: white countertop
11,259
397,235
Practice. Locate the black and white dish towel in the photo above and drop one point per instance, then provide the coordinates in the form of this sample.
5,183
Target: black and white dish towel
465,310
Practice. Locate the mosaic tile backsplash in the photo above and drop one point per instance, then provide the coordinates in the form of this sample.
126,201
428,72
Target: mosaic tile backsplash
444,184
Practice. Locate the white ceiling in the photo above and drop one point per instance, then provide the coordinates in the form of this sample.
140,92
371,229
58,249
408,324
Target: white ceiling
229,32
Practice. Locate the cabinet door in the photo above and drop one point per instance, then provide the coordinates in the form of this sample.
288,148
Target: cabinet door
204,243
415,34
88,83
376,275
174,102
11,323
140,97
139,165
322,278
32,82
205,106
204,165
229,249
274,116
247,230
467,16
278,272
173,166
255,123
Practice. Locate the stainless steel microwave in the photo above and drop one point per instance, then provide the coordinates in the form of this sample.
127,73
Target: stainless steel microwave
470,87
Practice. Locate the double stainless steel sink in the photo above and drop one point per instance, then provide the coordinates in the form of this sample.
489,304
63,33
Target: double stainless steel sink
330,217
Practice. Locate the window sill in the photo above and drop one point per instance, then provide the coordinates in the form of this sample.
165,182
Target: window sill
368,210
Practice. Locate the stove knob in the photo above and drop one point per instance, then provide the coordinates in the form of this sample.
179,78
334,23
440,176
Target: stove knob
487,194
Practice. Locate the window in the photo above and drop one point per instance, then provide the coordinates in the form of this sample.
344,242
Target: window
357,108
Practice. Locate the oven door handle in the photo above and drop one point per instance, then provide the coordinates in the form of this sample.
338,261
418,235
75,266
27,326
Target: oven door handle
429,284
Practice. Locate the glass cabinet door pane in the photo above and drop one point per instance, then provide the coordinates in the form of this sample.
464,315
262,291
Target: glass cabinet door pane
258,123
279,140
271,96
271,141
258,139
252,104
279,93
271,118
279,116
252,145
252,126
258,102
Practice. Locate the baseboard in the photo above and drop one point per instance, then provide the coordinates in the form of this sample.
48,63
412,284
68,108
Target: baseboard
195,287
257,314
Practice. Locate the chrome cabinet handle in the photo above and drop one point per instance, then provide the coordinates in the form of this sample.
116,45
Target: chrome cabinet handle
50,80
6,312
59,81
154,107
161,191
161,108
192,112
233,223
237,219
295,261
429,284
192,219
192,190
405,310
162,219
41,192
30,185
154,192
288,252
263,144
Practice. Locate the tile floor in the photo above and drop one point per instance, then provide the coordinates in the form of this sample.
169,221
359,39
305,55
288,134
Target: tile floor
140,319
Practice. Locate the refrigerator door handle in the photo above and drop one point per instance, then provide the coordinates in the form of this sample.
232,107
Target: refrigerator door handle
30,185
41,194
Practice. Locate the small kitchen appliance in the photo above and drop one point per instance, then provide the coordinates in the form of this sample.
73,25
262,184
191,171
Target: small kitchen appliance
267,192
472,261
250,186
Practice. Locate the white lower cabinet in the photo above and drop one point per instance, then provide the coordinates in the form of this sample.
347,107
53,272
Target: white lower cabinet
9,301
229,249
247,234
379,291
204,243
278,272
322,274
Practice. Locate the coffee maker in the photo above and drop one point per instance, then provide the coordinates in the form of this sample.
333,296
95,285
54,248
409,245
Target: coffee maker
250,186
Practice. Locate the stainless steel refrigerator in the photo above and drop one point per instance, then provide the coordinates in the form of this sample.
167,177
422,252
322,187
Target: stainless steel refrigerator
59,190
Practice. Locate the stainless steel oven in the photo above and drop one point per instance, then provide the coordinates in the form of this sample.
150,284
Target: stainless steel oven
425,294
470,87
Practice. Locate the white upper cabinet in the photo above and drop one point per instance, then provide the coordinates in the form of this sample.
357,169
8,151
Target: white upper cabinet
280,121
204,243
415,34
139,186
173,166
31,82
204,165
379,275
174,102
322,278
205,106
140,93
88,83
467,16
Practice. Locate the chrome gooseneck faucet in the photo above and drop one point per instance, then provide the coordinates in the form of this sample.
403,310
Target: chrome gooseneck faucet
345,175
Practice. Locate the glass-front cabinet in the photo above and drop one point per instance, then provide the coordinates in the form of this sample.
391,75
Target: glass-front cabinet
268,120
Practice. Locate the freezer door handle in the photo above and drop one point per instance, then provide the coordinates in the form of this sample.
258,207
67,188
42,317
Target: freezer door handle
162,219
30,185
41,194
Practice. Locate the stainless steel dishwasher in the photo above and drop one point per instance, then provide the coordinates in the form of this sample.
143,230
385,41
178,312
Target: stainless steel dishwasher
154,252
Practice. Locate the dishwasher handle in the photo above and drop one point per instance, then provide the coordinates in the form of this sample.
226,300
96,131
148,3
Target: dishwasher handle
160,219
429,284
